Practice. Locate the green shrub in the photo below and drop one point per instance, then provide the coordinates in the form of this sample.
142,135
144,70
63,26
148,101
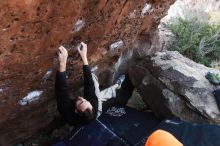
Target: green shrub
196,40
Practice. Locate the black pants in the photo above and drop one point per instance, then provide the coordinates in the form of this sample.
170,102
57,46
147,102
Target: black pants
122,95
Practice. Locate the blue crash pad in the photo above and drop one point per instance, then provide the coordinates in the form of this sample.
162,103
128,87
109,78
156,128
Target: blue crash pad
121,126
191,134
117,126
61,143
133,126
94,134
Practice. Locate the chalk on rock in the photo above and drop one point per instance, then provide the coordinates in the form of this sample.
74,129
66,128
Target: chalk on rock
94,68
32,96
147,8
116,45
132,15
79,25
47,75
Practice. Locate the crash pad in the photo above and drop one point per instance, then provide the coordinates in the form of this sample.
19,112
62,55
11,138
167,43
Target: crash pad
131,125
192,134
124,126
93,134
117,126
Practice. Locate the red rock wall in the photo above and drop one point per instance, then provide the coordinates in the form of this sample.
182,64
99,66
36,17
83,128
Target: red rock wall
32,30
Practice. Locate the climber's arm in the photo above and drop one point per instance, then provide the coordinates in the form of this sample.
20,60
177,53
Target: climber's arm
89,88
65,105
88,81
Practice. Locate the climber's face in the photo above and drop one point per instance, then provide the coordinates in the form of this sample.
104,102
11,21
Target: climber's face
82,104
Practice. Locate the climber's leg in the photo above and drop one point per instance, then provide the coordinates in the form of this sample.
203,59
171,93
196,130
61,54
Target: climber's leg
125,92
108,93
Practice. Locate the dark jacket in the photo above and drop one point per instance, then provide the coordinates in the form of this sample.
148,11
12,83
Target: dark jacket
65,105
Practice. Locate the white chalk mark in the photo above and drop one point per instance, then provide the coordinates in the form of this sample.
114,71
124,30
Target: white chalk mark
48,72
94,68
132,15
79,25
146,9
116,45
47,75
116,112
32,96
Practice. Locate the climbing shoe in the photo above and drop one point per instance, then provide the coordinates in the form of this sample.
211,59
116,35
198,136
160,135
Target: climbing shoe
120,81
213,78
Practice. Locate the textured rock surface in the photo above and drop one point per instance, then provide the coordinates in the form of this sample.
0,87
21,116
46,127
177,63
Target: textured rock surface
31,31
175,86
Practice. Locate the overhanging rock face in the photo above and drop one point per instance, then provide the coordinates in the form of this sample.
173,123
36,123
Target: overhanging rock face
175,86
31,31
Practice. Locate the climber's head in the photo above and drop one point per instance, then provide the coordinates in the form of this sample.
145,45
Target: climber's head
85,109
82,104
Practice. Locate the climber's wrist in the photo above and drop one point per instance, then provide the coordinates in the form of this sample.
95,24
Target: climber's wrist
62,67
85,60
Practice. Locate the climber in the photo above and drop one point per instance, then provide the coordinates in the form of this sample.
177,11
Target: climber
81,110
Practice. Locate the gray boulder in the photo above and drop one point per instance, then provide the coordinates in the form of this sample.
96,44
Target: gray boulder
175,86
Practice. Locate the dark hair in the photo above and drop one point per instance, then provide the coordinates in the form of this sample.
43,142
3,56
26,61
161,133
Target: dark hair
87,116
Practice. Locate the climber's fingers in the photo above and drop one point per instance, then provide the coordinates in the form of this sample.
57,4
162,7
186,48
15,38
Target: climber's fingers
62,49
62,53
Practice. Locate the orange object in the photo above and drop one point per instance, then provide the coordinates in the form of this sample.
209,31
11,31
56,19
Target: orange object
162,138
